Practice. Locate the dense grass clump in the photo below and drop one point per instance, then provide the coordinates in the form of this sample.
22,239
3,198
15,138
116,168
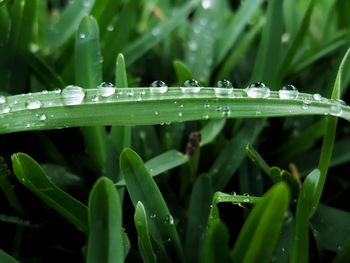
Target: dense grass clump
174,131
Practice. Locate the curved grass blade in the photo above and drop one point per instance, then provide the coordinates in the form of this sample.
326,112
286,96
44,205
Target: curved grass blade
182,71
141,187
270,46
162,163
256,158
63,27
136,49
198,213
125,108
300,249
211,130
6,258
329,137
260,232
88,74
32,176
141,224
105,220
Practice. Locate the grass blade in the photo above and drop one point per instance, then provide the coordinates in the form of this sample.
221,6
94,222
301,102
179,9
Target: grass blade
211,130
141,187
329,137
145,245
259,234
136,49
198,213
32,176
88,74
300,250
6,258
270,46
63,27
105,219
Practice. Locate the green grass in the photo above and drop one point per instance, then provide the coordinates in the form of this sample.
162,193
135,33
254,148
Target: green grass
109,170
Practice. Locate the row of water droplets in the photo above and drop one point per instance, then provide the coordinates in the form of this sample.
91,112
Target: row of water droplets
75,95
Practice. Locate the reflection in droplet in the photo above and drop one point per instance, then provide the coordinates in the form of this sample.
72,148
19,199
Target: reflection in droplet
258,90
288,92
191,86
33,104
223,87
158,86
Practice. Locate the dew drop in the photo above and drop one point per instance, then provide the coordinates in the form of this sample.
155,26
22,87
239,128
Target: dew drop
44,91
288,92
130,92
156,113
206,116
41,117
106,89
258,90
95,98
110,28
5,108
33,104
223,87
153,216
169,220
158,86
317,97
2,99
191,86
57,90
207,4
180,114
335,109
72,95
306,103
82,36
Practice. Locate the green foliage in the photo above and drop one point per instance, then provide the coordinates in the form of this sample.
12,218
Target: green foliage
163,176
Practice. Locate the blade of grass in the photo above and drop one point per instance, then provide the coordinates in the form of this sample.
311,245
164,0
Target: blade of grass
260,232
32,176
136,49
162,163
141,187
105,220
125,109
141,224
211,130
88,74
182,71
300,247
270,46
329,137
198,213
235,28
62,27
6,258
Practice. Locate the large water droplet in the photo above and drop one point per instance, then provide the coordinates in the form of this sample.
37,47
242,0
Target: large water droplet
41,117
158,86
223,87
2,99
72,95
288,92
33,104
5,108
258,90
106,89
191,86
317,97
335,109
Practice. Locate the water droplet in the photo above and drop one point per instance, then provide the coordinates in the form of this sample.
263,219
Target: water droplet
206,4
158,86
245,194
258,90
169,220
206,105
155,31
44,91
82,36
335,109
341,102
94,98
225,111
246,200
2,99
223,87
110,27
33,104
86,4
317,97
156,113
57,90
153,216
306,103
41,116
130,92
106,89
191,86
192,45
5,108
73,95
288,92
